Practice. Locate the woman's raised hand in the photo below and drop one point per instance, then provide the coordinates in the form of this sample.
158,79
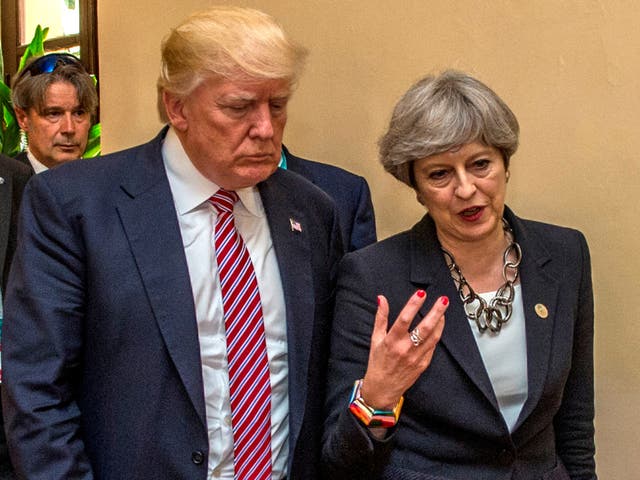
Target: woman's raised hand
398,357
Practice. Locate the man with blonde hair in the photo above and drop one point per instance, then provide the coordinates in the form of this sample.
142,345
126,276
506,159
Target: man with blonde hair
168,308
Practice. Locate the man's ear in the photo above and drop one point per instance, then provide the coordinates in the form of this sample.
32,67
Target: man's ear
174,107
23,119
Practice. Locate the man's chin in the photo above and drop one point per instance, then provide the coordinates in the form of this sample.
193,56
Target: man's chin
250,177
67,156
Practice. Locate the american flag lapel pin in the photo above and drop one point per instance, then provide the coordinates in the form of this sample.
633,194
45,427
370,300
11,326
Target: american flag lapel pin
295,225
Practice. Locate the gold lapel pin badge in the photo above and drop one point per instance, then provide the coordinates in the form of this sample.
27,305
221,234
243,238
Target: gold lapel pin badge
541,310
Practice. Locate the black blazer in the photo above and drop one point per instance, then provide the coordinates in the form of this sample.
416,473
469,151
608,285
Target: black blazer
102,367
451,426
350,193
13,178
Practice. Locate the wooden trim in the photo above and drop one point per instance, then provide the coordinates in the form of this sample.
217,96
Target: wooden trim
10,31
89,34
57,43
12,50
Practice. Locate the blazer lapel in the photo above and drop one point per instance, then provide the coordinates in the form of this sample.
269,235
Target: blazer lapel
539,289
291,243
149,219
429,269
540,294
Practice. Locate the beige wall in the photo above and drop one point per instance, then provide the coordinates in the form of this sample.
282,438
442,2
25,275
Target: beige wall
571,72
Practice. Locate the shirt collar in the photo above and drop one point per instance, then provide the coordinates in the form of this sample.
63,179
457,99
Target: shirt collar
190,188
283,160
38,167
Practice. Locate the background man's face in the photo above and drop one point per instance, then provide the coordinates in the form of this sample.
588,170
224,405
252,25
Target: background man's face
232,129
60,131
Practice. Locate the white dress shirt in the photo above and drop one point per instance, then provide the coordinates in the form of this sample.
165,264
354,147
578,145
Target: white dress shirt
505,358
38,167
197,218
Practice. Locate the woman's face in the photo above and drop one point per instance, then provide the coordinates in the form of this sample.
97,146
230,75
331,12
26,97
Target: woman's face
463,189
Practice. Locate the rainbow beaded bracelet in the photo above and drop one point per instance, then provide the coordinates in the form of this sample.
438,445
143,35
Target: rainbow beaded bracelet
369,416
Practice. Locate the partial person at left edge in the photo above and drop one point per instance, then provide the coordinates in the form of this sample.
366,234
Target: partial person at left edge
126,352
54,99
13,178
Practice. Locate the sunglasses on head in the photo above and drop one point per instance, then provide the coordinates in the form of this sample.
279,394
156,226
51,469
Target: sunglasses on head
48,63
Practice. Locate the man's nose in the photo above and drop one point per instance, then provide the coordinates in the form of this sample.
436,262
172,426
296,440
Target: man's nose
262,126
68,124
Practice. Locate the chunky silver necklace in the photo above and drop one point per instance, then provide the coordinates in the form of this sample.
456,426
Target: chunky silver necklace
498,311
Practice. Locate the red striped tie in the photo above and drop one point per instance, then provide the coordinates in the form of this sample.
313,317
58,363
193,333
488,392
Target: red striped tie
249,385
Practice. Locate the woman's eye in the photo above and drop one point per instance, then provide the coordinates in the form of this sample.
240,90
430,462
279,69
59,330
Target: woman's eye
481,164
438,174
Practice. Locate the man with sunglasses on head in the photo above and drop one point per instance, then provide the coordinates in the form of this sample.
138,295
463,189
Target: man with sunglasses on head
54,98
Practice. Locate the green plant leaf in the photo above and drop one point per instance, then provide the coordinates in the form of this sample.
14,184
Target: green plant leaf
10,142
93,143
35,47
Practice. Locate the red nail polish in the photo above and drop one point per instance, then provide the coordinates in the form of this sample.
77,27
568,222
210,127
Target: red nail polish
444,300
421,293
378,300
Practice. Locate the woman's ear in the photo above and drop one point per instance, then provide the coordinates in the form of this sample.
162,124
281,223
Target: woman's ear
420,198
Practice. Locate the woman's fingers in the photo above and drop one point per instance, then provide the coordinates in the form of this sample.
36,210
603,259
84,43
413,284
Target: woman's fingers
429,330
397,358
381,321
398,331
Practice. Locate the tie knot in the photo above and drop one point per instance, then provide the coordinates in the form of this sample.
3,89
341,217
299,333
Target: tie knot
223,200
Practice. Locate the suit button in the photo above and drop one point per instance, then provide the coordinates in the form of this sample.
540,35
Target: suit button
197,457
505,457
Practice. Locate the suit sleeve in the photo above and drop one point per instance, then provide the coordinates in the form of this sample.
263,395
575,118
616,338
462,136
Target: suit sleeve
574,420
348,449
364,222
42,351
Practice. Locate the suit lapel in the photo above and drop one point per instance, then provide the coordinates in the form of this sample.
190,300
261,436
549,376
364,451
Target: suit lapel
538,290
150,223
429,268
292,249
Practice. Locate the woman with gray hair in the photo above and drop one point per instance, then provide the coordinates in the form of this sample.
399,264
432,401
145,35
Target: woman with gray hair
504,388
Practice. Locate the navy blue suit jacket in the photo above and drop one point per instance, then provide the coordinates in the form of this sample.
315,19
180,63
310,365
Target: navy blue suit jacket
102,363
451,426
23,158
350,193
13,177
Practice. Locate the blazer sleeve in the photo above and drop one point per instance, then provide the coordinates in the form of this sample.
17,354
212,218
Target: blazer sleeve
364,222
349,451
43,342
574,421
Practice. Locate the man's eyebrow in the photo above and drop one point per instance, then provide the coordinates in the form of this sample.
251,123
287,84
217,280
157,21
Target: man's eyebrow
238,97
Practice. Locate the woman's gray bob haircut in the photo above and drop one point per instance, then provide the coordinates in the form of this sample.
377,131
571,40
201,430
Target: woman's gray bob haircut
442,112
